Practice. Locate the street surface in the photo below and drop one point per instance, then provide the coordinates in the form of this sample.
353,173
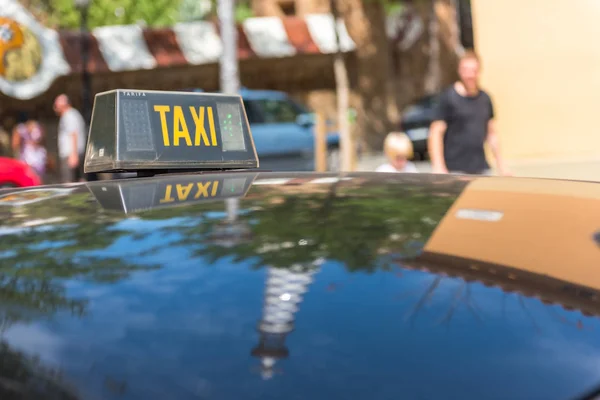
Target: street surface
581,170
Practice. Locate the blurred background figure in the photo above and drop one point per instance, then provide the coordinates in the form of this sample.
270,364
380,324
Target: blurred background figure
71,140
28,144
398,149
5,143
463,123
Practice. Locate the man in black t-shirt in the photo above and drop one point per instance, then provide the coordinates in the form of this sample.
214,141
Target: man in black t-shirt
463,123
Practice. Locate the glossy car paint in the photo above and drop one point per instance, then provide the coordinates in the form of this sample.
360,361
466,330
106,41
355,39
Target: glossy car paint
305,286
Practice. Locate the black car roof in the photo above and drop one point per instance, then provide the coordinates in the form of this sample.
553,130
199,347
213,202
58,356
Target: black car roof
301,285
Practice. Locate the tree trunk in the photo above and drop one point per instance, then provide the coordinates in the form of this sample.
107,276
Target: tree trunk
450,41
347,144
412,60
366,25
320,142
342,88
266,8
429,64
432,80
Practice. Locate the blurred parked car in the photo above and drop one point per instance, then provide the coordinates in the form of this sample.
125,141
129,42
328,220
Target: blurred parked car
283,131
15,173
416,119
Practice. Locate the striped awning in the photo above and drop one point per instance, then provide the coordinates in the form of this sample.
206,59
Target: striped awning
47,54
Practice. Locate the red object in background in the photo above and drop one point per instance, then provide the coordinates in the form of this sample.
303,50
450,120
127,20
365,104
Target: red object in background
15,173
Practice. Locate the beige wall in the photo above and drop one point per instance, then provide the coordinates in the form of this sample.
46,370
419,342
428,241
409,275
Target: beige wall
541,64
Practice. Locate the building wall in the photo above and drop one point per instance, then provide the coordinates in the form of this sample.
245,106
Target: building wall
542,67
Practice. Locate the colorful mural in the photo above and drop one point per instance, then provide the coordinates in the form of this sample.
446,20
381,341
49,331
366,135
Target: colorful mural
31,56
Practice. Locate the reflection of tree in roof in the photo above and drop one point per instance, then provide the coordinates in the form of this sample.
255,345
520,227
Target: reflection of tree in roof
462,296
36,258
347,222
21,296
350,224
24,377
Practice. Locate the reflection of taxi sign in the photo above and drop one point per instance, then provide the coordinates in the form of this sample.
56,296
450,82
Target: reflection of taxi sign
131,196
134,130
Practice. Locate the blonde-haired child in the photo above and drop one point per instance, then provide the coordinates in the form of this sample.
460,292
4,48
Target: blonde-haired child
398,149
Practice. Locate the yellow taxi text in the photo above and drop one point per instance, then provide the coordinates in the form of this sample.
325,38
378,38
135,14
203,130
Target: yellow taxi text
196,190
181,133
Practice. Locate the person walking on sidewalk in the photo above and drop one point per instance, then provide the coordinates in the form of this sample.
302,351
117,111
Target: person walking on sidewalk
463,123
28,144
71,140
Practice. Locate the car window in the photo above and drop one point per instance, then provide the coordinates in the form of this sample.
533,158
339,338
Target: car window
427,102
254,114
276,111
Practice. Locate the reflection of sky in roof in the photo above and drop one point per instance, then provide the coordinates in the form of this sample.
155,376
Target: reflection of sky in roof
223,214
157,238
7,253
137,224
156,245
15,230
189,328
48,244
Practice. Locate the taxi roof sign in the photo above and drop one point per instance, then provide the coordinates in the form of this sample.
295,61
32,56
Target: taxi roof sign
144,130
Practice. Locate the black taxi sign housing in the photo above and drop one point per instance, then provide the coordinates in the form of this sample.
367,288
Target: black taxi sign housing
144,130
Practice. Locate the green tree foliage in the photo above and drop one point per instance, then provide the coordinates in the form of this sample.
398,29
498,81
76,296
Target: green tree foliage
394,7
195,10
64,14
243,10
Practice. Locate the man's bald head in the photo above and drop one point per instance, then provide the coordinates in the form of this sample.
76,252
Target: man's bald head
61,104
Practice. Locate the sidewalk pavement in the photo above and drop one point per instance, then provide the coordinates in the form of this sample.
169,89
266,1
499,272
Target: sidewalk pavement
580,170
